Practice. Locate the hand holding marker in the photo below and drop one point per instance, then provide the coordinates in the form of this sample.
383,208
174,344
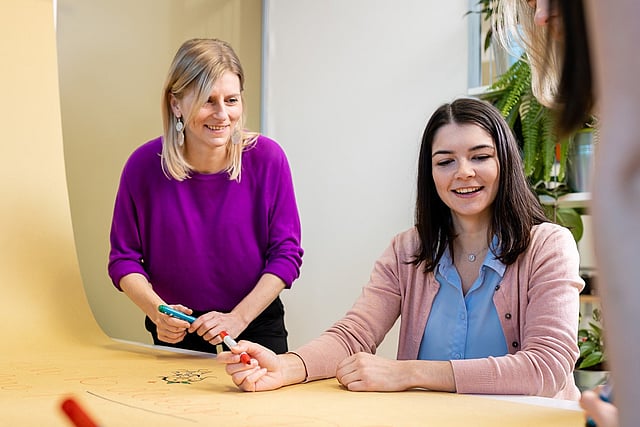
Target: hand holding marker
230,342
165,309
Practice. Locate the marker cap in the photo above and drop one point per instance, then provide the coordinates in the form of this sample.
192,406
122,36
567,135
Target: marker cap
76,414
230,342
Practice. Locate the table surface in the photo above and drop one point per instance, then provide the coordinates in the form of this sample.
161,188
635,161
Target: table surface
123,384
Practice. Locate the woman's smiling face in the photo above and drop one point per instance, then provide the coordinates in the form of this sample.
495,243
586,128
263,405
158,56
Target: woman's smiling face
215,121
465,169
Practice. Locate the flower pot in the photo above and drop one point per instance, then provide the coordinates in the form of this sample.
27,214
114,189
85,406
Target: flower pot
580,161
586,380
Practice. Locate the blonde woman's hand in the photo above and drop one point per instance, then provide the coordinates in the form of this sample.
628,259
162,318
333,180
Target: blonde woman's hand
170,329
210,324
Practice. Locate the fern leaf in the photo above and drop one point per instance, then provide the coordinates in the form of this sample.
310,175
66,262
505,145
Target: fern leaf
548,144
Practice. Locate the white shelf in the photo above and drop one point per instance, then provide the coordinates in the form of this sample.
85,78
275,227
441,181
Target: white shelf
478,90
571,200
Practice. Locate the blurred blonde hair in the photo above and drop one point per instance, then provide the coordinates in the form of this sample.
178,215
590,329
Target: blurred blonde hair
197,65
513,23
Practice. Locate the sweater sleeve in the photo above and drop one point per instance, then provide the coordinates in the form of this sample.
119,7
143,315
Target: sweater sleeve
284,254
125,256
548,304
364,326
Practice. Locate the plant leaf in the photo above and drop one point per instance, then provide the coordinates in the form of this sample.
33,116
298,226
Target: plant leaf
571,219
591,360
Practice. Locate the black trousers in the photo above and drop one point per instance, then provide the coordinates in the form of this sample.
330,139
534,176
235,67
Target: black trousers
267,329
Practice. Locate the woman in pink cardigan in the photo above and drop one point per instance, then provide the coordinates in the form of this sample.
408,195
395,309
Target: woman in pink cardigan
487,288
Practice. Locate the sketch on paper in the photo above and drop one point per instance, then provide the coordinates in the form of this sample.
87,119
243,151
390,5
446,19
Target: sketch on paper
187,376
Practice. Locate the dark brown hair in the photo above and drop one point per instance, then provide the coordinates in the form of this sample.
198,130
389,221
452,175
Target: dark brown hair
516,209
575,96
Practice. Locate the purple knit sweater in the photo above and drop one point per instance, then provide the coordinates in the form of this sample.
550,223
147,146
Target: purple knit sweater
204,242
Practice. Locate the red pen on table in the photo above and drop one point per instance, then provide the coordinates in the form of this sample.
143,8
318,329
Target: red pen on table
230,342
76,414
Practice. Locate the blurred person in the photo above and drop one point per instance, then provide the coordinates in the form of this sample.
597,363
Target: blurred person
590,68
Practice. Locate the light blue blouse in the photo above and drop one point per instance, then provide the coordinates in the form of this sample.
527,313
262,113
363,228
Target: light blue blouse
464,326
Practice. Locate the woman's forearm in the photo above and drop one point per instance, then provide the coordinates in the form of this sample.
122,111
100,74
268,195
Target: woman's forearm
430,374
293,369
140,291
264,293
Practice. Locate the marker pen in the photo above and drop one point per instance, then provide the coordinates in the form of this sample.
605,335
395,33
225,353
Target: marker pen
230,342
76,414
175,313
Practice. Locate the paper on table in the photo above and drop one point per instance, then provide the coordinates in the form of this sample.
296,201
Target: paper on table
52,346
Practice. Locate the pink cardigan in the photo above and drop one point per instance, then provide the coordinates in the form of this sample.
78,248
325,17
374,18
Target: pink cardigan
537,302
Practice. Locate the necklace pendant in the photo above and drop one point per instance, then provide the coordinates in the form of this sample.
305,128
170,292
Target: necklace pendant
471,257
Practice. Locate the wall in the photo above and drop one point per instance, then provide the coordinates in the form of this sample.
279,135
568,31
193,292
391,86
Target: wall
349,86
38,262
113,56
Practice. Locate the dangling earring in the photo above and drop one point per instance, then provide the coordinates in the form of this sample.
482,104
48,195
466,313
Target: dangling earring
180,130
236,136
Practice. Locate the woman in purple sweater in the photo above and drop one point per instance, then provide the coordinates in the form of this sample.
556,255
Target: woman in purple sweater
486,288
205,218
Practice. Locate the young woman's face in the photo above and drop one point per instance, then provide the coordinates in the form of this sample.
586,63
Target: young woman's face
216,120
465,169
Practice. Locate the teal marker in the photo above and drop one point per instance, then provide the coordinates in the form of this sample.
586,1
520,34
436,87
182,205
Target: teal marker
165,309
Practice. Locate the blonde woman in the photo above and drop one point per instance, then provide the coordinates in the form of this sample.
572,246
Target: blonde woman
205,218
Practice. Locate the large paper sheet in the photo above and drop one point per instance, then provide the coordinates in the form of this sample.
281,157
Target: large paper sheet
52,347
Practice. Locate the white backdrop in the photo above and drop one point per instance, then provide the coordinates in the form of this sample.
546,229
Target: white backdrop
348,87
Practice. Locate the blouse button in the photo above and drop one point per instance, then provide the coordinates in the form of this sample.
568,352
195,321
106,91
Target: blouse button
515,344
507,316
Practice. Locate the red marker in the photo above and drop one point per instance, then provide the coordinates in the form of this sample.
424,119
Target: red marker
230,342
76,414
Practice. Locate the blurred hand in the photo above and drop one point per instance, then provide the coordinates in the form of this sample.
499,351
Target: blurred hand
603,413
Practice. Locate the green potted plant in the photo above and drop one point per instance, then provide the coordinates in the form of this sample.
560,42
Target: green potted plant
544,157
532,122
591,367
581,157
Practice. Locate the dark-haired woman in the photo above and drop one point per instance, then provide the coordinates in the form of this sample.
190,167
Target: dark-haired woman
486,288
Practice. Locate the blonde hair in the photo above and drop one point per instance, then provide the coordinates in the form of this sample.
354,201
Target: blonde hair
513,22
197,65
